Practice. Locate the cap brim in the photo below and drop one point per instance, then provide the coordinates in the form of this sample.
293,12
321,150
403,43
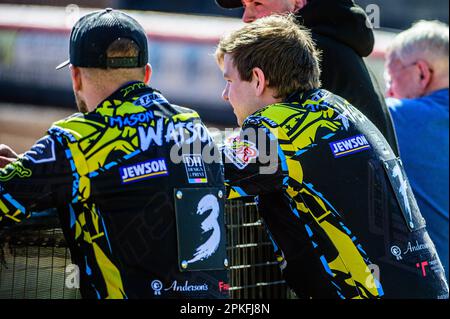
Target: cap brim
229,4
63,65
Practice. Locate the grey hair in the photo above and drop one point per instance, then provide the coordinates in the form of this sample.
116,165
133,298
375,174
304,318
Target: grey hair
428,40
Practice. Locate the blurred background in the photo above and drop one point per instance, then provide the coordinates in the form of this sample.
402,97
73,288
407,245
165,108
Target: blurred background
34,39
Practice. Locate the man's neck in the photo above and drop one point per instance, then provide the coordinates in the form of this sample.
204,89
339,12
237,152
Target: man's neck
98,97
437,86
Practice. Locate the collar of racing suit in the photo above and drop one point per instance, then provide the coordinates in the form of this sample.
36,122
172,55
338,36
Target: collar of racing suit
129,90
133,92
296,97
299,96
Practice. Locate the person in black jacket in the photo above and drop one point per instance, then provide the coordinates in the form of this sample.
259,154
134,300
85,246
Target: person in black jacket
141,211
342,33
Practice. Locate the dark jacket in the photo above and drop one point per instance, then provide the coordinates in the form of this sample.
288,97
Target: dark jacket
340,32
337,204
113,174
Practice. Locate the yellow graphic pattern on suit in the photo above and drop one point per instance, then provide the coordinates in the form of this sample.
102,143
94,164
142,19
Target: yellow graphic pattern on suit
94,141
8,213
90,144
293,137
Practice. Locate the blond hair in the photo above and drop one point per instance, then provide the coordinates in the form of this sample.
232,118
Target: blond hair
282,49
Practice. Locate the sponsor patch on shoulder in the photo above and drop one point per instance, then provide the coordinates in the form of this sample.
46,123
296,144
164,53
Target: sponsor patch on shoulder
350,146
42,152
269,122
145,170
240,152
195,169
257,120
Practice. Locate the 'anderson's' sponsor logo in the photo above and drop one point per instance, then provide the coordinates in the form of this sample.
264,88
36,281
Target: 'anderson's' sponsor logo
187,287
349,146
411,248
144,170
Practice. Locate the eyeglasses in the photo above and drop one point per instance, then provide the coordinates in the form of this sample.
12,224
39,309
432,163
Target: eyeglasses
387,76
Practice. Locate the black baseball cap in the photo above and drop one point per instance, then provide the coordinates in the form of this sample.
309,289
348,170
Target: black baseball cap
95,32
229,4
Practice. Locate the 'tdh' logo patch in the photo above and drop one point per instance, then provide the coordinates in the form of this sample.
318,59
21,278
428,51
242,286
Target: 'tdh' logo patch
145,170
350,146
195,169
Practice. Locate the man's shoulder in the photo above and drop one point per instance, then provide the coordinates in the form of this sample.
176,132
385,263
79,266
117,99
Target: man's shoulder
266,117
76,117
76,126
405,105
426,108
182,109
277,114
321,100
182,112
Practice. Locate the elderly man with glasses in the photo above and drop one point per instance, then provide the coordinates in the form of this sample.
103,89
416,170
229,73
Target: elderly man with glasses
417,71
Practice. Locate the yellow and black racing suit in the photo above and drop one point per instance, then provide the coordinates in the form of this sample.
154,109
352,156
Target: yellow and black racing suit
338,205
112,176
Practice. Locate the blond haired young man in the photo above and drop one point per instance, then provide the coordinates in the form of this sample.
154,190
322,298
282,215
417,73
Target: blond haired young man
342,32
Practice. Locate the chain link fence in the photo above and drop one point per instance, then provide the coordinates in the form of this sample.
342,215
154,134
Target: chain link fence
33,260
34,257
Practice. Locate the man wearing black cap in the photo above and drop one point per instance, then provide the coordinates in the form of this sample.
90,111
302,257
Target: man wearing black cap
141,212
340,30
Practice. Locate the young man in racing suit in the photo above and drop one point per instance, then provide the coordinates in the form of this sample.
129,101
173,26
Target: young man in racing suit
334,197
342,32
141,211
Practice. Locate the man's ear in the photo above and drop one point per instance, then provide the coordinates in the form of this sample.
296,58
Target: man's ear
148,73
299,4
259,80
425,74
75,73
